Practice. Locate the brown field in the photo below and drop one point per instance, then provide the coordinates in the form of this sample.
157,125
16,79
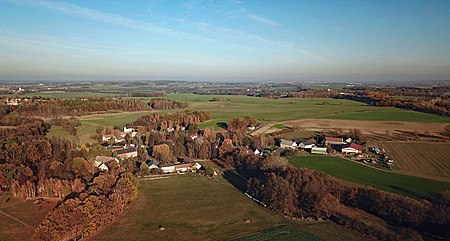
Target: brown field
396,130
424,159
19,217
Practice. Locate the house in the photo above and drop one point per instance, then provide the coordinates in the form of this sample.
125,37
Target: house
108,137
288,144
126,152
251,128
167,168
352,148
257,152
152,164
101,162
183,167
334,141
196,166
12,101
319,150
128,129
194,136
349,140
307,144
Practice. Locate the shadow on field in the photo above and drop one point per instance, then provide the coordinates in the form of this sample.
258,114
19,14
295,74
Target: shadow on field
237,181
222,124
406,191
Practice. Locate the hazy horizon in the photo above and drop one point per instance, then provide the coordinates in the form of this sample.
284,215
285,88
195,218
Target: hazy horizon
230,40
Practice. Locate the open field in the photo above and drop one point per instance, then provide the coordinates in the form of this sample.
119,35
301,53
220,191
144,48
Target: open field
391,114
286,233
368,127
19,218
361,174
430,160
192,207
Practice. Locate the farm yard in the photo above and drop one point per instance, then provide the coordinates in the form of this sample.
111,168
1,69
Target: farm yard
361,174
192,207
426,159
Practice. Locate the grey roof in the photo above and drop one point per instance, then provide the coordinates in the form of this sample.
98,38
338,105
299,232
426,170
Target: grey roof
125,150
152,162
287,142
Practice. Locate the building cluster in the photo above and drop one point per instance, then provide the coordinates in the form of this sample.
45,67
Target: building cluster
327,145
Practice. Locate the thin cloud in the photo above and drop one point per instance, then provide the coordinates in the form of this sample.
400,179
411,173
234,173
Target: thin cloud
262,20
72,9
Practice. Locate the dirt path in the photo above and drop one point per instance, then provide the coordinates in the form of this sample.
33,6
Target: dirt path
17,220
262,129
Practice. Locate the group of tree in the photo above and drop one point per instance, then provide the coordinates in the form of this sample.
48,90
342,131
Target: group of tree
81,214
165,104
238,125
68,124
147,94
176,120
77,107
320,93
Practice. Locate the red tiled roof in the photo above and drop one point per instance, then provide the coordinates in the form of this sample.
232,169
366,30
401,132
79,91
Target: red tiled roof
333,139
356,146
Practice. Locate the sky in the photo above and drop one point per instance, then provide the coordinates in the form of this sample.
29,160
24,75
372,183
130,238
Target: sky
228,40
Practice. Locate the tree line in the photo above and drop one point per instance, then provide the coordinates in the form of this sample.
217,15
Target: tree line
165,104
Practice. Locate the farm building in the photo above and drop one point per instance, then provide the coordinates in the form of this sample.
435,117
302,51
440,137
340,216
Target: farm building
167,168
319,150
183,167
126,152
334,141
352,148
288,144
194,136
101,162
307,144
152,164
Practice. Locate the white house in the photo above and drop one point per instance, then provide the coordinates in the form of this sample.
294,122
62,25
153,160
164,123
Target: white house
128,129
196,166
251,128
257,152
101,162
152,164
194,136
103,167
167,168
288,144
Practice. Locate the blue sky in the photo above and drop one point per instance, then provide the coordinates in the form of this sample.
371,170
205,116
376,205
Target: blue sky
225,40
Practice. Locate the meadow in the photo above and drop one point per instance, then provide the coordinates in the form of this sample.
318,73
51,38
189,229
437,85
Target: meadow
193,207
360,174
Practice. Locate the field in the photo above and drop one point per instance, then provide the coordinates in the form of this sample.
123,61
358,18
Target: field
286,233
19,218
192,207
431,160
391,114
361,174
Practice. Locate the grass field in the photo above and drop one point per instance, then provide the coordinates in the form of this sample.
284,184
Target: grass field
353,172
285,233
425,159
192,207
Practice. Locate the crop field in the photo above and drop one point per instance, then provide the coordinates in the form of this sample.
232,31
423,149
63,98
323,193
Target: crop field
425,159
361,174
192,207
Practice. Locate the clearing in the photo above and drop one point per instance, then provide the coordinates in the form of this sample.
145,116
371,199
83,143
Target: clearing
361,174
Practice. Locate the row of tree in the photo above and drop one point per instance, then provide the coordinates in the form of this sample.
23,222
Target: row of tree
176,120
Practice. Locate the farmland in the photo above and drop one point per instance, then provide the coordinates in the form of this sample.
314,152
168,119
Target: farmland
361,174
191,207
391,114
429,160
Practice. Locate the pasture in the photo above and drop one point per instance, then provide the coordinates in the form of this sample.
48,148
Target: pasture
426,159
391,114
193,207
360,174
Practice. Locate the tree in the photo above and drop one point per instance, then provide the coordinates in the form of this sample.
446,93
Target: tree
163,153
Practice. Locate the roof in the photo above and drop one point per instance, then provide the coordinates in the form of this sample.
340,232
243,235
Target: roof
152,162
287,142
104,159
125,150
333,139
183,165
319,149
354,146
167,165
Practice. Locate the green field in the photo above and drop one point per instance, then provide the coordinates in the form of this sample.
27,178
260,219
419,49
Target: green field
193,207
353,172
